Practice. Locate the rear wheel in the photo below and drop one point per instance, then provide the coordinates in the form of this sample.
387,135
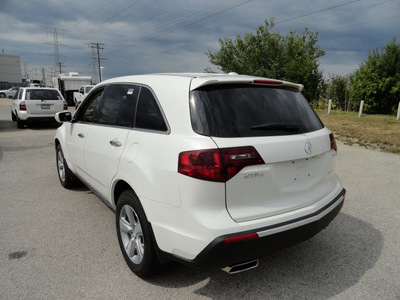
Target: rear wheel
20,123
67,178
2,95
135,236
13,117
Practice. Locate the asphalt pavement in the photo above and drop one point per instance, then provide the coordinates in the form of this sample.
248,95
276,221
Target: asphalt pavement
62,244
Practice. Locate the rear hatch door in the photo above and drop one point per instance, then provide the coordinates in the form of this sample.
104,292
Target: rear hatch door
298,171
43,101
279,123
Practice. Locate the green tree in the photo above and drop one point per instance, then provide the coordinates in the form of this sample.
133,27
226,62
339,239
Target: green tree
377,81
338,89
268,53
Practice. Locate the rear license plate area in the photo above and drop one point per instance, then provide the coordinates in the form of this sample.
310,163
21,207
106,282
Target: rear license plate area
45,106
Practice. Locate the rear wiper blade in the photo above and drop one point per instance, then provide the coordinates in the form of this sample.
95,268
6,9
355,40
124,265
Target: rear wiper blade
293,127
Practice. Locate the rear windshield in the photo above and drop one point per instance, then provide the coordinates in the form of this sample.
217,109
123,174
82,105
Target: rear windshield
248,110
32,94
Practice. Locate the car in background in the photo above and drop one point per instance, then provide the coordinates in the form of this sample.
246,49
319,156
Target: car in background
212,170
31,104
81,94
9,93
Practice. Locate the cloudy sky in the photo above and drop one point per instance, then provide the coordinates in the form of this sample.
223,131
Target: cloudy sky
148,36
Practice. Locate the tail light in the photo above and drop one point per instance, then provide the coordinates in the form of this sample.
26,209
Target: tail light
333,142
22,106
240,238
217,165
65,106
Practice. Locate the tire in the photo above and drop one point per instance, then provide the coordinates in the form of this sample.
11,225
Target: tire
135,236
20,123
67,178
13,117
2,95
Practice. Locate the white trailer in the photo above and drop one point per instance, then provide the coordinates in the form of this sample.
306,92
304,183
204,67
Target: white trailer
68,84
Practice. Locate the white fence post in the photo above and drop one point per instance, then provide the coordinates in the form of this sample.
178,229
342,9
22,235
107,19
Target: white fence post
398,113
361,108
329,106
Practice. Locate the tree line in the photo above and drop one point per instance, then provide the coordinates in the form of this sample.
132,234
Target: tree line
294,57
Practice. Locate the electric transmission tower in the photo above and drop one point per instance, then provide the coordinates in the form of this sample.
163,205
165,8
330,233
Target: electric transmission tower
56,32
97,47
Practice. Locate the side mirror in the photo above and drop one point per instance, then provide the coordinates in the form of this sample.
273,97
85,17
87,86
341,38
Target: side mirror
63,116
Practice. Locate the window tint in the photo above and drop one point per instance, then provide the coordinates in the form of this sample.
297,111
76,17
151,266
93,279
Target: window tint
17,94
247,110
32,94
148,114
118,105
89,111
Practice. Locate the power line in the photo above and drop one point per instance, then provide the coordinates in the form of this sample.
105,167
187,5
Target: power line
317,12
183,26
112,17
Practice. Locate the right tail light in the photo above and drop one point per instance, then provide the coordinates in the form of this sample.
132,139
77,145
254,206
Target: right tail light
217,165
333,142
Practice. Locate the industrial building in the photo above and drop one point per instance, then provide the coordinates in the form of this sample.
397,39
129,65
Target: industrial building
10,70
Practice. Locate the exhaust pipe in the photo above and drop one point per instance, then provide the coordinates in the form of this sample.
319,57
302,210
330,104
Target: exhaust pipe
238,268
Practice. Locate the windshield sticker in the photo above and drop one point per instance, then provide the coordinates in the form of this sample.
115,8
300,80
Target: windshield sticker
130,91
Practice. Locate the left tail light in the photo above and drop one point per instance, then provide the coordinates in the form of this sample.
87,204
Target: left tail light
22,106
218,165
65,106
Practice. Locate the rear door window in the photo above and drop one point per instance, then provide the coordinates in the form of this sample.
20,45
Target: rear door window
148,113
248,110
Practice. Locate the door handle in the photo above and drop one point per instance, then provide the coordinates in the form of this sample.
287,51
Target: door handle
115,143
81,135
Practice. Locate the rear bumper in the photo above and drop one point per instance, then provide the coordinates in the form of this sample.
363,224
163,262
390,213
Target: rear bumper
226,250
36,117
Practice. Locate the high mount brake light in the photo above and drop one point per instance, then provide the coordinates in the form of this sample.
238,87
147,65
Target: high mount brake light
269,82
217,165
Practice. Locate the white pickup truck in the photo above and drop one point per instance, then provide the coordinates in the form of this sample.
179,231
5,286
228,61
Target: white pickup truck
81,94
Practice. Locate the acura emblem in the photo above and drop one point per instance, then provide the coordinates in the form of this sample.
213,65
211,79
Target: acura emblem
308,148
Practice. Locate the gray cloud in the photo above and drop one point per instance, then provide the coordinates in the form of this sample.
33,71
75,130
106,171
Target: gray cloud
171,36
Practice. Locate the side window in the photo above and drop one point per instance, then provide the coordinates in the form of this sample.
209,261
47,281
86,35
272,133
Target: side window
20,93
118,105
148,113
16,95
89,112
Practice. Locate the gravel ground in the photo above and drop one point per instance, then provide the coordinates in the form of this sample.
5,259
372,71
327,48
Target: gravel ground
57,243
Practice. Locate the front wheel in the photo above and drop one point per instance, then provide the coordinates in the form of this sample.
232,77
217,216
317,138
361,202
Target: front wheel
2,95
67,178
135,236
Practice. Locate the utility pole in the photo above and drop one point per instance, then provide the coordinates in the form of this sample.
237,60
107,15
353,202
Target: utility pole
55,31
98,58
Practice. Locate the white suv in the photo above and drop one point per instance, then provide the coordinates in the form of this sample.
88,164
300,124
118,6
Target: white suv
32,104
210,170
